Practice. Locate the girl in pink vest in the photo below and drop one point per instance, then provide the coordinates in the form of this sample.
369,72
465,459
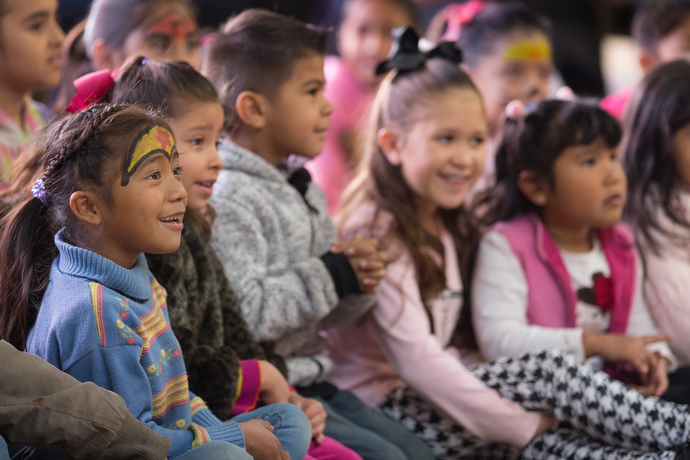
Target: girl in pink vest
426,150
557,270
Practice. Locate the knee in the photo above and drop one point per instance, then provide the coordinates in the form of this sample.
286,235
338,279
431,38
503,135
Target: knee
286,415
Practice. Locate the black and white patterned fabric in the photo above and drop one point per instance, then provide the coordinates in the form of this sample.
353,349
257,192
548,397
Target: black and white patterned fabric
604,419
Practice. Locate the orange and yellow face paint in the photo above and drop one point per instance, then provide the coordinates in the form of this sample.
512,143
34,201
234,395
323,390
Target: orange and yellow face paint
151,140
528,49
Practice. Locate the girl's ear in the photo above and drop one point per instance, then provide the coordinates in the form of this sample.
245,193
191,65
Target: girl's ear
252,108
86,207
102,55
389,141
536,190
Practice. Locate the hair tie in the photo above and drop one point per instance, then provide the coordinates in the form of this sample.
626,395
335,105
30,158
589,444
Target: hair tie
565,93
145,60
90,89
515,109
459,16
405,55
39,191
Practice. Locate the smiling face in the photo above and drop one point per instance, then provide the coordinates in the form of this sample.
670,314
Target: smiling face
364,36
519,68
441,153
30,46
589,188
145,212
171,35
197,133
298,116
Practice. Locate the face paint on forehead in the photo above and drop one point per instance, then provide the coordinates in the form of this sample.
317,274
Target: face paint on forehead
150,140
528,50
173,25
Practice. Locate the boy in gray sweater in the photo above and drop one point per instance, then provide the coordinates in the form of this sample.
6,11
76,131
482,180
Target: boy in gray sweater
272,231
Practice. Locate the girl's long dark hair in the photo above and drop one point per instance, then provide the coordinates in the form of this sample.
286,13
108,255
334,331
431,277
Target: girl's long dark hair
382,183
534,142
83,151
659,108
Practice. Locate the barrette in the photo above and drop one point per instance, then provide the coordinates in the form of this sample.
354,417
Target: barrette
458,16
406,56
90,89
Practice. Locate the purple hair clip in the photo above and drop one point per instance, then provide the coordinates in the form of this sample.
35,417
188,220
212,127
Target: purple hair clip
39,191
145,60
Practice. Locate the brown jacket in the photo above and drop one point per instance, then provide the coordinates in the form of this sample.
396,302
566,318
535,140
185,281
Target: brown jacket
41,405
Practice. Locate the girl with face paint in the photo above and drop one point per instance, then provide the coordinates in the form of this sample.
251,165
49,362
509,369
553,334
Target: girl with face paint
117,30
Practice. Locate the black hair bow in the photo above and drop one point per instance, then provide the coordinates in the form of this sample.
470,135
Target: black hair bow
405,55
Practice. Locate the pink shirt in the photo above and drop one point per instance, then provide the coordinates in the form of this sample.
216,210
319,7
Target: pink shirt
351,103
394,344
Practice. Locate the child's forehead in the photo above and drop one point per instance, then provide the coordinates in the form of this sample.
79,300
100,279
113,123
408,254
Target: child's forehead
172,13
305,69
675,44
523,45
21,9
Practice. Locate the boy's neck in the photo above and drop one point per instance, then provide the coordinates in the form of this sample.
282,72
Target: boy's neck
257,142
12,103
570,239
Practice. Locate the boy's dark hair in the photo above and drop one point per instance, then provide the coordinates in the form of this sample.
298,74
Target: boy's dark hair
534,142
659,108
170,87
489,25
84,151
256,51
656,19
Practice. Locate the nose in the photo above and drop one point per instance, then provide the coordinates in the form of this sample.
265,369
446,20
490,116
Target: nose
215,163
614,173
327,107
57,36
177,191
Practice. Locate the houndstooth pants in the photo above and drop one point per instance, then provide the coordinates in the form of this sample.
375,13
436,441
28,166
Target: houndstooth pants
608,420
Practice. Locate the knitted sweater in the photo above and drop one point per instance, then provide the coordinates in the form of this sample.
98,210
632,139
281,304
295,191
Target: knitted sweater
206,318
103,323
271,240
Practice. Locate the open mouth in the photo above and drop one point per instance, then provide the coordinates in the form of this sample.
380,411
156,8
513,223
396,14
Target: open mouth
206,186
453,179
174,222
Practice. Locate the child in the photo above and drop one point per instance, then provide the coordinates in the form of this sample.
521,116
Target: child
655,152
110,182
558,270
506,50
660,29
272,232
221,355
426,150
364,40
29,61
117,30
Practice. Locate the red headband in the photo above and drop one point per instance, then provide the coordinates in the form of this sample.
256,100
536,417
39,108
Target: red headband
91,88
460,15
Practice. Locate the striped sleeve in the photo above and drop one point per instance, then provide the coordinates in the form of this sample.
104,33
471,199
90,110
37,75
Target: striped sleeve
206,427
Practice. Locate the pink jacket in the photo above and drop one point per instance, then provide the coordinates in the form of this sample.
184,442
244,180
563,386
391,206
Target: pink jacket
394,343
552,300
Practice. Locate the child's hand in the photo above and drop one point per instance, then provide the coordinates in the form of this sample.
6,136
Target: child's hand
632,350
547,422
368,263
273,387
314,410
260,442
657,381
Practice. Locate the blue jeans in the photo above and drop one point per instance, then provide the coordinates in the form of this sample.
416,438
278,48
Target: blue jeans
218,450
4,454
290,425
369,433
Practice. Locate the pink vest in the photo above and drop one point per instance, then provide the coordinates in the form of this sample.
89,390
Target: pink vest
552,300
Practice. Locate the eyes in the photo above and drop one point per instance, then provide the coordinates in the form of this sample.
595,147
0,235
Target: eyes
473,141
157,175
592,158
200,141
161,44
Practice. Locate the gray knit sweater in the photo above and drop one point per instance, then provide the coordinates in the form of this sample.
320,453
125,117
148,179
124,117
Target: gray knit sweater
270,240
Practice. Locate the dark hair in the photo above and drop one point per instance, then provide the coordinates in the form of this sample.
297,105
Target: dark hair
169,87
407,6
489,25
110,20
84,150
256,51
655,19
382,183
659,108
534,142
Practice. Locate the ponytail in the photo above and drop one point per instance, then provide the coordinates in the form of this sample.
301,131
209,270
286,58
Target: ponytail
27,250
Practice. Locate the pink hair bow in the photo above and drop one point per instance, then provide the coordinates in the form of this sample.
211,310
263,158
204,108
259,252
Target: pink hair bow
91,88
460,15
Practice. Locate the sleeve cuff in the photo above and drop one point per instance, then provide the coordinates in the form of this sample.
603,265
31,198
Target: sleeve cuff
342,273
248,386
202,415
228,431
573,340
